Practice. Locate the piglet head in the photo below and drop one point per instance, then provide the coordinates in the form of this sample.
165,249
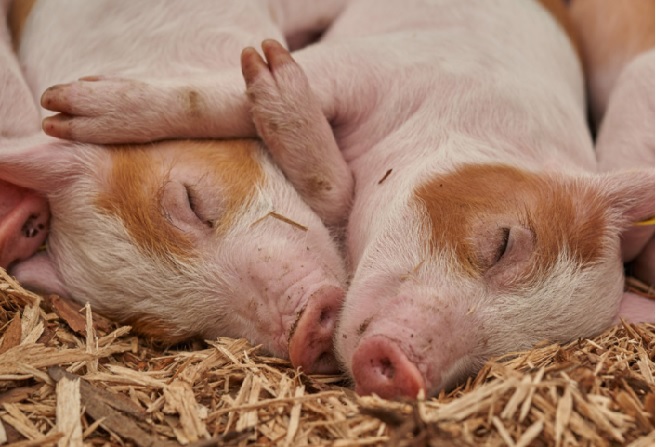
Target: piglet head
186,239
483,261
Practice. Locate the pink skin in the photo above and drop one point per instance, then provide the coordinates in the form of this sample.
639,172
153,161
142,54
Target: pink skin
24,214
23,223
311,159
414,317
311,344
381,367
626,140
279,284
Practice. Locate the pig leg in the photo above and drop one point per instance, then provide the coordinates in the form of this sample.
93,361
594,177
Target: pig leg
18,112
100,109
626,141
289,119
23,212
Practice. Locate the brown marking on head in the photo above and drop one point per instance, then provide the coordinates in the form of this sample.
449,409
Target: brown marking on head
463,204
235,165
132,194
19,10
558,10
134,185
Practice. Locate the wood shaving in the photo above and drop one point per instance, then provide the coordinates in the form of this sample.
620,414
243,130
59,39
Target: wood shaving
69,377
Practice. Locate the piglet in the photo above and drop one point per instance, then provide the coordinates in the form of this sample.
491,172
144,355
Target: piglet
179,239
24,213
617,44
479,224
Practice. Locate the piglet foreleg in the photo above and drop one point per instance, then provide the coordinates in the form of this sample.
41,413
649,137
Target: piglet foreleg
289,118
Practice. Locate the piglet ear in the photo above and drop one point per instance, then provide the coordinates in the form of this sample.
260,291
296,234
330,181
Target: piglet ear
37,162
38,273
630,197
630,194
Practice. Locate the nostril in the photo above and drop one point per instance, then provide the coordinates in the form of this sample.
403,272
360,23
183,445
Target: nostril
385,368
31,228
327,317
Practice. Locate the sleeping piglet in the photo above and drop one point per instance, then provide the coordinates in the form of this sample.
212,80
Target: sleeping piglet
177,238
617,46
479,224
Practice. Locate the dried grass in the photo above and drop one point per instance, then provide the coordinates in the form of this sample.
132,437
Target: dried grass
70,378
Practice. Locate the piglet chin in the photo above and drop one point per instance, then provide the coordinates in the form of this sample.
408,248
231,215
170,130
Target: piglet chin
380,366
311,342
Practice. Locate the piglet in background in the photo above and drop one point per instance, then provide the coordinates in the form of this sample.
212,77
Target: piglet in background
479,223
617,46
181,238
24,213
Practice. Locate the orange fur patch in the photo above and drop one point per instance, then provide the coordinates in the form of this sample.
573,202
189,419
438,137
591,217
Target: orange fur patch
459,202
234,163
132,192
18,12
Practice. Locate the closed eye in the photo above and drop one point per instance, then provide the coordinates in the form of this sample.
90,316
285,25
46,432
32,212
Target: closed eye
503,245
194,205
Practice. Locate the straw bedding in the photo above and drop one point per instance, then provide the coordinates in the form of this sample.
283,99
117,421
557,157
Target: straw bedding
70,377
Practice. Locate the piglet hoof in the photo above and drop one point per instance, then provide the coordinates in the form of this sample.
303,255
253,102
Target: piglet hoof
311,343
380,367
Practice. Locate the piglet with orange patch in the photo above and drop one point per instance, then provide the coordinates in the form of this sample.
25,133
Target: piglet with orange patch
479,224
179,238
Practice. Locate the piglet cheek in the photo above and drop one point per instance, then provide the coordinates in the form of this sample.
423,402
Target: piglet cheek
514,264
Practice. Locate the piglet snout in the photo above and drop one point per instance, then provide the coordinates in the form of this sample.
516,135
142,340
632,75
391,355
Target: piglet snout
311,342
380,366
24,219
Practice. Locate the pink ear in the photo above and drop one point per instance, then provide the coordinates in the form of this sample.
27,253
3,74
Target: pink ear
37,162
631,194
38,273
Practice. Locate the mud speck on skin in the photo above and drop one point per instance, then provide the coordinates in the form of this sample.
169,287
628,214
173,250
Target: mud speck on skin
364,325
193,103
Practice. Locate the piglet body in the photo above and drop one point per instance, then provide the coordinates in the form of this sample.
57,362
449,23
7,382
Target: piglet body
617,44
479,225
179,238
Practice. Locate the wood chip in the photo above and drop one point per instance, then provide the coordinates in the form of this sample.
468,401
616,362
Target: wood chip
69,413
596,391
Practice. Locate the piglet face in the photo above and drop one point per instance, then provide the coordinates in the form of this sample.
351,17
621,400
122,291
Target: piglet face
184,239
482,261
